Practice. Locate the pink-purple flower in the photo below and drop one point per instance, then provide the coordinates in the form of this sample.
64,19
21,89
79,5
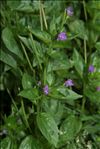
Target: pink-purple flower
98,88
69,11
69,83
91,68
62,36
46,90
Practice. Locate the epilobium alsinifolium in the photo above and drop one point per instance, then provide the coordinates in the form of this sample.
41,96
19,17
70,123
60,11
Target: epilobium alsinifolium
62,36
69,83
91,69
46,90
69,11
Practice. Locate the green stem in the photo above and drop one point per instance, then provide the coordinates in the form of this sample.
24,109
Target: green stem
85,13
85,51
35,50
27,58
25,118
83,104
85,57
41,19
12,100
44,17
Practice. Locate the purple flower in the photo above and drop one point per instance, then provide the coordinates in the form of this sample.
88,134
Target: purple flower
46,90
62,36
68,83
98,88
91,68
69,11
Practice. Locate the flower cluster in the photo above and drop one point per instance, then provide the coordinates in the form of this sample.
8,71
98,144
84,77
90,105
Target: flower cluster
91,69
69,83
69,11
46,90
62,36
98,88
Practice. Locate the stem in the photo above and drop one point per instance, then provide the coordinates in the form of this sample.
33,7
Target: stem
83,104
21,116
85,51
85,57
27,58
44,17
85,13
35,50
24,114
12,100
41,19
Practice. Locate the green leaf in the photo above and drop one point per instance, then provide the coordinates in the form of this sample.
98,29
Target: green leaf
55,108
8,59
10,42
6,143
94,96
69,94
52,26
27,81
25,7
59,61
92,129
63,93
42,35
48,128
30,94
30,143
26,42
50,78
69,129
13,5
78,27
61,44
78,63
97,46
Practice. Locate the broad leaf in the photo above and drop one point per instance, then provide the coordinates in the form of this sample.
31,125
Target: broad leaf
55,108
68,93
25,7
27,81
63,93
59,61
78,62
7,59
94,96
30,94
78,27
26,42
61,44
97,46
30,143
10,42
5,143
42,35
48,128
69,129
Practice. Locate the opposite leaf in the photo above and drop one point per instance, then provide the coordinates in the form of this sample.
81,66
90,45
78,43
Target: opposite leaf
48,128
30,143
